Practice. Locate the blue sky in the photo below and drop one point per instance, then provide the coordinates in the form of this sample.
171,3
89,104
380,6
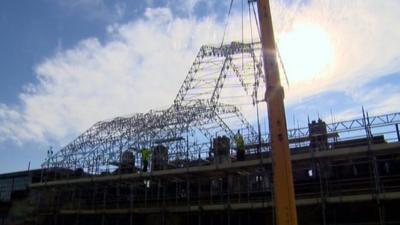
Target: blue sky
57,58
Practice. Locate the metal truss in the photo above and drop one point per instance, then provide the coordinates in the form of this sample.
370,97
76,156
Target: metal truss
235,60
103,143
201,110
355,125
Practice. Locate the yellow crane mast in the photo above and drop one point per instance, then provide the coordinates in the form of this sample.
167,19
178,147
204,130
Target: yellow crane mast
284,198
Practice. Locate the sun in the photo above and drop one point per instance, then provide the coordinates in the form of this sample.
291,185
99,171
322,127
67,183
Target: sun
306,52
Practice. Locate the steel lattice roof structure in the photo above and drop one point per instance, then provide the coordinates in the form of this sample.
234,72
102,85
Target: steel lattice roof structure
201,110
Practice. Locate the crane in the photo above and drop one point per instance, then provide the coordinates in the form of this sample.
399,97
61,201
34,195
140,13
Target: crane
284,198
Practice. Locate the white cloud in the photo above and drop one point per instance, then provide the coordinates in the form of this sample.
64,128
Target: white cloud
383,98
161,15
141,67
96,9
186,6
376,100
143,63
120,9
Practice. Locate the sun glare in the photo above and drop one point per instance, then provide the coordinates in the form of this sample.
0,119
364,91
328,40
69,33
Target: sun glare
306,52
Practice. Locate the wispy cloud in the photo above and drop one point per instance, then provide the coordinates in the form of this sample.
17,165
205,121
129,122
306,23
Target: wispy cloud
105,11
139,68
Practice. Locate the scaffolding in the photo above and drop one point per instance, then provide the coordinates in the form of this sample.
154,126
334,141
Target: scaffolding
342,171
363,177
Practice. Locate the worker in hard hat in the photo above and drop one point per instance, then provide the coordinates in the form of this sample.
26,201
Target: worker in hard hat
146,153
239,146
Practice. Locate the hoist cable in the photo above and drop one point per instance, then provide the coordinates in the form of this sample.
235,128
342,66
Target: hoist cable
227,22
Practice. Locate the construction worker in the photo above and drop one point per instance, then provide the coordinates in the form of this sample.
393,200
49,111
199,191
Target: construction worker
239,146
145,158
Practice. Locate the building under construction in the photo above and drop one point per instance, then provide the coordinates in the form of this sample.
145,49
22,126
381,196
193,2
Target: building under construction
195,172
344,172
